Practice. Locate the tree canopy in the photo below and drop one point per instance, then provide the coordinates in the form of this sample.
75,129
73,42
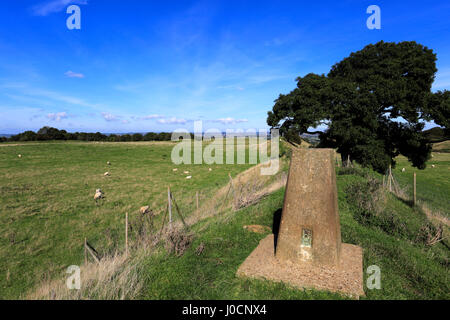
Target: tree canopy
374,104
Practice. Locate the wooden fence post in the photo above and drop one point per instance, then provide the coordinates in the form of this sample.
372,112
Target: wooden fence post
232,187
196,197
85,251
126,234
178,210
92,251
164,220
414,188
169,199
390,178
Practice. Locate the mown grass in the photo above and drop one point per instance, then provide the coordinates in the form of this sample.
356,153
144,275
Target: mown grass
211,274
47,206
47,209
409,269
433,184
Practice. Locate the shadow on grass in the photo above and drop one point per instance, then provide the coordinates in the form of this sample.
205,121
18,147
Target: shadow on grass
409,203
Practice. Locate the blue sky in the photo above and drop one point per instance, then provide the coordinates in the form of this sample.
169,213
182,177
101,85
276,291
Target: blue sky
158,65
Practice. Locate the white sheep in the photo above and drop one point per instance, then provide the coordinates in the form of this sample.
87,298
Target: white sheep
433,166
403,169
188,177
144,209
98,194
20,156
175,169
108,163
209,169
186,172
106,174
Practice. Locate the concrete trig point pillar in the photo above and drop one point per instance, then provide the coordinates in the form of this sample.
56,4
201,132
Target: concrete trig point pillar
308,251
310,229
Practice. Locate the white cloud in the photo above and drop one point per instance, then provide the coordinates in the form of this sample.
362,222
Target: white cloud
71,74
172,120
51,95
152,116
263,78
230,120
231,87
47,7
57,116
109,117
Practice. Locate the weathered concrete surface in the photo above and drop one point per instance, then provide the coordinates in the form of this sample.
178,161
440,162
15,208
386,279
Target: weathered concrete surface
310,205
308,251
346,279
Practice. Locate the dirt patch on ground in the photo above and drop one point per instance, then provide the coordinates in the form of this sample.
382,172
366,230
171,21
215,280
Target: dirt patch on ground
257,228
346,279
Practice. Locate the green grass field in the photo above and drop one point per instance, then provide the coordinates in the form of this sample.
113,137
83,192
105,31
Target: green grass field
47,209
409,270
47,206
433,184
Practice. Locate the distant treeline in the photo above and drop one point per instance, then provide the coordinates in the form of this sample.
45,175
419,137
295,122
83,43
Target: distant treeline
49,133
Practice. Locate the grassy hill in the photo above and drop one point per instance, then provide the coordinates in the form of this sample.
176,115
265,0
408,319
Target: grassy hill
433,183
435,134
47,209
410,269
442,147
47,206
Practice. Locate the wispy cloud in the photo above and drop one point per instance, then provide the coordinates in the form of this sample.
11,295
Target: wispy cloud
172,120
109,117
71,74
48,96
152,116
13,85
231,87
189,28
230,120
57,116
48,7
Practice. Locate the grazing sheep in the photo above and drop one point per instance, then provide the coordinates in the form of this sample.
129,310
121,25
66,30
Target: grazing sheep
98,194
20,156
209,169
174,169
433,166
403,169
106,174
186,172
144,210
108,163
188,177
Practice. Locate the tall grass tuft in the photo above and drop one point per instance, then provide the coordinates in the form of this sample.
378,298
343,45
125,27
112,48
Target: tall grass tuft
114,278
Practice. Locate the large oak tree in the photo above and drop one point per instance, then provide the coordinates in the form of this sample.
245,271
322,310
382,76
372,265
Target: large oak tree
374,103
